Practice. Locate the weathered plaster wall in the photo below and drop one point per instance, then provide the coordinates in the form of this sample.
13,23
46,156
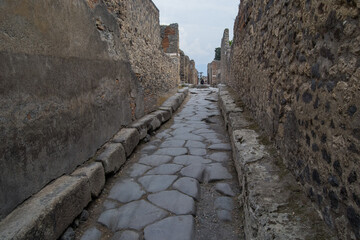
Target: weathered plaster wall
296,66
139,26
66,88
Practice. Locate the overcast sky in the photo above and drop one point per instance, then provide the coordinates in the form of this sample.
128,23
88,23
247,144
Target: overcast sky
201,25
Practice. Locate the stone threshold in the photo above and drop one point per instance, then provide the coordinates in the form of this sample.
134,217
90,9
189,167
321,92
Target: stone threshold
47,214
274,204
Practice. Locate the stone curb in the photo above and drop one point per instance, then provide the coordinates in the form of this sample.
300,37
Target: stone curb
60,202
275,207
48,213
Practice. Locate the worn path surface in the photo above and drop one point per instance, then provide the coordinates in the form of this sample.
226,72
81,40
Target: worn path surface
180,185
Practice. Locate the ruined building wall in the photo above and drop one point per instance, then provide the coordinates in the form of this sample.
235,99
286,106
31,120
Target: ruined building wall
193,73
140,32
184,61
66,88
214,72
225,57
170,38
170,44
296,66
188,71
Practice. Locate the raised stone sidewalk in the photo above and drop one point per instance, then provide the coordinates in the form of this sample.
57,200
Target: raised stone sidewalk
274,204
48,213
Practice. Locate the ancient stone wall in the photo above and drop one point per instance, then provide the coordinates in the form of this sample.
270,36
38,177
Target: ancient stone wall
296,66
66,88
225,57
193,73
170,38
140,31
214,72
188,71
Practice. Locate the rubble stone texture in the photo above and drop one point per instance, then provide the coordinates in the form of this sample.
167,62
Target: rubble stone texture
295,64
140,32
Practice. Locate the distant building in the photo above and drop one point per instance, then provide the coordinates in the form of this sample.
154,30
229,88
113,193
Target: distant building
214,73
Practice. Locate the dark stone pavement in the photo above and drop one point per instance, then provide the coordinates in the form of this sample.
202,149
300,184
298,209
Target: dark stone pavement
180,185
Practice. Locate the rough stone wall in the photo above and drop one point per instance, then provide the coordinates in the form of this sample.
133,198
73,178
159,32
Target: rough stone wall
214,72
296,65
170,38
66,88
188,71
140,31
193,73
184,61
225,57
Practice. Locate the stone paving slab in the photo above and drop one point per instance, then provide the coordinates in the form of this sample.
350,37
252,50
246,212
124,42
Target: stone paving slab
216,172
188,160
138,170
126,191
134,215
172,151
194,171
197,151
172,228
189,186
165,169
173,201
156,183
155,160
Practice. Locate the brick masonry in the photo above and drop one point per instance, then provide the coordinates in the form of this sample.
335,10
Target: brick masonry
296,66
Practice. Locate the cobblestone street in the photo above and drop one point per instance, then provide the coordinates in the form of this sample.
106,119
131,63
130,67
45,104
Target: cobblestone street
181,184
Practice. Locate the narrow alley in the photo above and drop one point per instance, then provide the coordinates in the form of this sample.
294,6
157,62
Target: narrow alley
180,185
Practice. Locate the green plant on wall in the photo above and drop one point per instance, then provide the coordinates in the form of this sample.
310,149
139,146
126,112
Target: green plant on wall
217,53
230,42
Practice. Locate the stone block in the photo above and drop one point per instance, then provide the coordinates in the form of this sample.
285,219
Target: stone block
95,174
167,109
143,125
113,157
184,90
236,121
172,102
129,138
48,213
161,115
